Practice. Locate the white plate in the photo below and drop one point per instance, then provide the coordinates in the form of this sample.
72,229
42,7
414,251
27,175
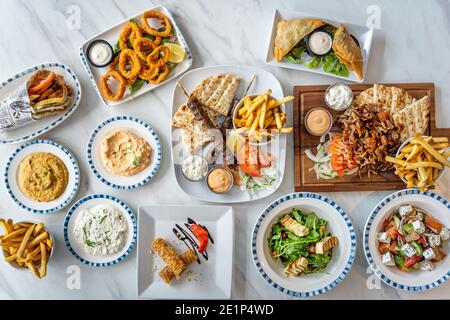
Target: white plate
211,279
42,146
264,80
112,35
138,127
77,249
39,127
339,224
363,34
430,202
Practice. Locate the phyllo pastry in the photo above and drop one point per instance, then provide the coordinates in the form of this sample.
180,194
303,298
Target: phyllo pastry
347,51
169,256
296,267
188,258
290,32
293,226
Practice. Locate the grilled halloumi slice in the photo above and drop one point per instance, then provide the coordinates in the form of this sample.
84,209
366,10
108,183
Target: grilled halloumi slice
296,267
326,244
293,226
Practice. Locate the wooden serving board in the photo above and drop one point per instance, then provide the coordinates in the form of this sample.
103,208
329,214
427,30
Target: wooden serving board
308,97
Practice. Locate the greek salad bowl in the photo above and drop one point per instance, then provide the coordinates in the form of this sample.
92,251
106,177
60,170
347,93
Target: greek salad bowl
406,240
321,269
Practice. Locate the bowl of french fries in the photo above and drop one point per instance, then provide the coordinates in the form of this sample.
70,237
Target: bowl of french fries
260,117
27,245
421,160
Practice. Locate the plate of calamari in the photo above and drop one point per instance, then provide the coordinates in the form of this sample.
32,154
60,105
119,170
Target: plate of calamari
37,100
229,131
185,252
324,46
136,56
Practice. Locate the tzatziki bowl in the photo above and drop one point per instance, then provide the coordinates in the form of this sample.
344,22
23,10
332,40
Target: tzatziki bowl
100,230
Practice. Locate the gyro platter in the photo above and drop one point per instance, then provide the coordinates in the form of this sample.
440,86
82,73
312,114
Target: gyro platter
214,136
136,56
363,129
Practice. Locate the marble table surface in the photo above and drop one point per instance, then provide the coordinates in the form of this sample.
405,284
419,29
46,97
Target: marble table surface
406,48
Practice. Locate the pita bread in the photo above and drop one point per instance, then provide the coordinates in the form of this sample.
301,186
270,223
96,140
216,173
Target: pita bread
382,95
217,92
194,139
290,32
365,97
183,118
413,118
347,51
400,98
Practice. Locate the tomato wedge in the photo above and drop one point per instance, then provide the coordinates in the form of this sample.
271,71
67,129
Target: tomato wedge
44,83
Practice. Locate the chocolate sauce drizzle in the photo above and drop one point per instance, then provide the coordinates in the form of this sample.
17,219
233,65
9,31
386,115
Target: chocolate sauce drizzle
189,238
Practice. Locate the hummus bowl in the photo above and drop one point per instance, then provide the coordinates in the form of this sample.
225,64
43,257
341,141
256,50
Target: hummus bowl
66,194
143,134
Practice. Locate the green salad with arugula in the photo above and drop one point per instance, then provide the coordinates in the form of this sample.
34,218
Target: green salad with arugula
329,63
312,251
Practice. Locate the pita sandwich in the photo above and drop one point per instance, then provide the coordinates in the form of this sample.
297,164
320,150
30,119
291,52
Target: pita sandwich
347,51
290,32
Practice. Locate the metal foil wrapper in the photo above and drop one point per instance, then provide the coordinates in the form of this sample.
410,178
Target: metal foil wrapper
15,110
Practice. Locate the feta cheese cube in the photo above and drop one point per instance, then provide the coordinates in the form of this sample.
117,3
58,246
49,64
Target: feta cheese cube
383,237
418,226
434,241
426,265
388,259
408,250
405,210
444,234
420,215
429,254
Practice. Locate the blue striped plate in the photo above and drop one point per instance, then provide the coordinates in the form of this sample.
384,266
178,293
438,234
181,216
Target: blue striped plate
140,128
21,199
414,281
42,126
77,250
339,224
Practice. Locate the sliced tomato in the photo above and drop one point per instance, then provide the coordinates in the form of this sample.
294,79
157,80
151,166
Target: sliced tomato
44,83
265,159
409,262
383,247
251,169
422,240
337,162
393,247
351,165
432,223
392,232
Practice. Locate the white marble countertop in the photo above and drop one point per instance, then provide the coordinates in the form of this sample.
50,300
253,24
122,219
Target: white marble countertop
406,48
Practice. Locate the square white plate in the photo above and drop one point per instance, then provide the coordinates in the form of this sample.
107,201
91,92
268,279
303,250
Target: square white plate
363,34
112,35
211,279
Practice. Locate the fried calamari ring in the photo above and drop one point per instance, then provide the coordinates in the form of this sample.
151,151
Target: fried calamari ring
129,58
155,58
143,47
114,67
131,32
148,72
107,92
164,21
162,74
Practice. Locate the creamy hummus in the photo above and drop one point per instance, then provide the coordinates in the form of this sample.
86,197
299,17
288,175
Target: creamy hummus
124,153
42,177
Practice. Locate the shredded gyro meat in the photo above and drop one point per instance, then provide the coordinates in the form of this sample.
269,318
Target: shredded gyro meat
369,133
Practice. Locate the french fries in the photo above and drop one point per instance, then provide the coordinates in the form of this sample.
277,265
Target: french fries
26,244
262,114
421,160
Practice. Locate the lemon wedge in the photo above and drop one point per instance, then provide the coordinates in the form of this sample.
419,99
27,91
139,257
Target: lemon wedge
177,53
